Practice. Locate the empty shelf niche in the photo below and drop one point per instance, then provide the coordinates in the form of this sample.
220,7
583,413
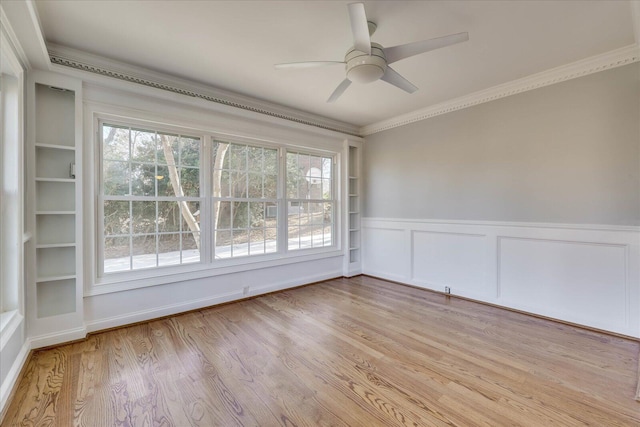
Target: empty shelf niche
55,197
56,263
56,297
55,229
55,116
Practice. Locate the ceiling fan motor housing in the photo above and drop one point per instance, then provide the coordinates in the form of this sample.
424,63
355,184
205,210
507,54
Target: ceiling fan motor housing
364,68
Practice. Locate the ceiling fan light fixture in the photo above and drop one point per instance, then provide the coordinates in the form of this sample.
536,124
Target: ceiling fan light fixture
364,68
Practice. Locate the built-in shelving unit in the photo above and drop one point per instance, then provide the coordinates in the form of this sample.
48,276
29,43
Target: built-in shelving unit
54,293
354,206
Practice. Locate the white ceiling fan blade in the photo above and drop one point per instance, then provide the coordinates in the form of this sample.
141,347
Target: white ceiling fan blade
391,76
308,64
359,28
339,90
396,53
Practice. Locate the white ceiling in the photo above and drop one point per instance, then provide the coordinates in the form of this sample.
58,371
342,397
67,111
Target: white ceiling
233,45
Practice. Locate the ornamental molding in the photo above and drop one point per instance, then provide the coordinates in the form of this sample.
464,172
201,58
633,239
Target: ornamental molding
72,58
594,64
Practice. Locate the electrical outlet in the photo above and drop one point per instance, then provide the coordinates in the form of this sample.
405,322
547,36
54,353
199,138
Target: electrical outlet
245,291
447,290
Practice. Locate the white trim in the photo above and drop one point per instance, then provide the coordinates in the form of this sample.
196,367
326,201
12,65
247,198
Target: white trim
172,309
584,67
55,338
63,59
371,222
10,37
13,375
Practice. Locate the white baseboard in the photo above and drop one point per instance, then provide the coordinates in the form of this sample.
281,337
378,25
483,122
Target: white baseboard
13,376
64,336
167,310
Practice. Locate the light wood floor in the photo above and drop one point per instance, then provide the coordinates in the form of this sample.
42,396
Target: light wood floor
346,352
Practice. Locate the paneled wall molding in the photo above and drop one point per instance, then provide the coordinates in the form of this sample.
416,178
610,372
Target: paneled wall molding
78,60
594,64
583,274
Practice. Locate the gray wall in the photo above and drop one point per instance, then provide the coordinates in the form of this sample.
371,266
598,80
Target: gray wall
565,153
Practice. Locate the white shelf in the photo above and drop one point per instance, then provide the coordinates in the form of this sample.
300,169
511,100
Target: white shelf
56,146
55,212
69,180
45,279
55,245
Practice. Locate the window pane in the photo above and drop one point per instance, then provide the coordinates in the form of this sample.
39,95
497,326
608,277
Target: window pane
240,217
115,178
190,249
238,157
168,217
255,157
240,243
223,244
168,149
143,217
143,177
238,184
163,181
168,249
190,152
293,173
143,146
190,216
316,213
270,235
116,254
255,186
190,182
256,214
223,215
115,143
270,186
144,252
326,189
220,158
328,213
117,218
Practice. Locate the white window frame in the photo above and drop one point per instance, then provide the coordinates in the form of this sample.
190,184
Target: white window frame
106,283
102,198
12,236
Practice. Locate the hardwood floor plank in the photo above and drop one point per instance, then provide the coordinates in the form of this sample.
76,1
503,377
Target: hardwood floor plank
345,352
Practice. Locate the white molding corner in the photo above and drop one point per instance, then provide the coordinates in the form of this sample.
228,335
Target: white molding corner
55,338
584,67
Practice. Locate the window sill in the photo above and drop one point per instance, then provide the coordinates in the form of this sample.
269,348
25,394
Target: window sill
125,281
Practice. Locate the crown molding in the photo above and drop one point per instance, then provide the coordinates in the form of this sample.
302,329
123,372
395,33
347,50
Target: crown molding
594,64
62,56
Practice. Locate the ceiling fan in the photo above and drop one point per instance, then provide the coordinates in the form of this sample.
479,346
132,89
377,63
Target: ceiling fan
367,62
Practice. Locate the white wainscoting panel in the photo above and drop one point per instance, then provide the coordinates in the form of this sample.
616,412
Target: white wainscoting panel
442,259
584,274
386,253
561,279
